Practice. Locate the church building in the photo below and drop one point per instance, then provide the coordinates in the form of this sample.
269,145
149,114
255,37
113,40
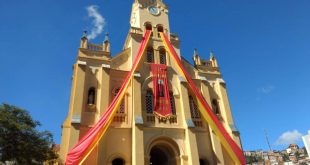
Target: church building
158,120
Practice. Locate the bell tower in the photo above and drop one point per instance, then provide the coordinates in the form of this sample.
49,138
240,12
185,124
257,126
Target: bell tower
149,15
154,12
139,133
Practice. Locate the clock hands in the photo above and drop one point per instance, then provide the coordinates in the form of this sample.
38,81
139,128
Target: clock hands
154,10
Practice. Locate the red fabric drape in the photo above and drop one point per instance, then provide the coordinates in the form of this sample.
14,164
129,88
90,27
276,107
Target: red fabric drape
229,144
84,147
162,107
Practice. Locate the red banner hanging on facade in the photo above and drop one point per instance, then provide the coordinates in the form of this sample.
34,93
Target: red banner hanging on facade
162,107
229,144
78,154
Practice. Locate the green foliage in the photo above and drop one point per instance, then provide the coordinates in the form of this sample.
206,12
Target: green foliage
20,142
252,159
285,157
248,159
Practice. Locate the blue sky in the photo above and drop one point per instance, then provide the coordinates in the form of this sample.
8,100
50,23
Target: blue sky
262,47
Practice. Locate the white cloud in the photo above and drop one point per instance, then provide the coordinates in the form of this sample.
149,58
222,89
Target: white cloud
266,89
98,22
289,137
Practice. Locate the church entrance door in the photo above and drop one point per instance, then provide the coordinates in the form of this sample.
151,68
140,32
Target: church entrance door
162,154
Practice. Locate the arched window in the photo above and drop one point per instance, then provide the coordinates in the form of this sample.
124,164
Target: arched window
160,28
162,56
150,55
149,105
118,161
121,109
172,103
215,107
148,26
195,112
91,97
193,108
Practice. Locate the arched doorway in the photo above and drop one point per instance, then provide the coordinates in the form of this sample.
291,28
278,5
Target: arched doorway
118,161
164,151
159,156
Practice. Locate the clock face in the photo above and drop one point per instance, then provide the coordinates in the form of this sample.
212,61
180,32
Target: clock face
154,10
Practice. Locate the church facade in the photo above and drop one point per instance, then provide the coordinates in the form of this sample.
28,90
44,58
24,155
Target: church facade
138,134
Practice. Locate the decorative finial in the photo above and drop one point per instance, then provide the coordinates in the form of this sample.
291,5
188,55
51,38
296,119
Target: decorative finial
195,52
106,38
211,54
84,34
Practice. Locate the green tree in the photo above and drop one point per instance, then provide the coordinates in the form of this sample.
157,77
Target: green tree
286,157
248,159
251,159
20,142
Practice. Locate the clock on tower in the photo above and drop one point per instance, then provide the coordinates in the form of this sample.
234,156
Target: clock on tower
154,10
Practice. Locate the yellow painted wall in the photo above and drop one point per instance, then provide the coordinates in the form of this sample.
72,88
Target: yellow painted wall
133,141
